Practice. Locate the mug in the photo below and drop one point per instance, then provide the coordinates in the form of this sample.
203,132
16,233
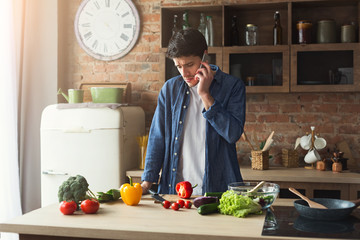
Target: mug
76,95
312,156
305,142
319,143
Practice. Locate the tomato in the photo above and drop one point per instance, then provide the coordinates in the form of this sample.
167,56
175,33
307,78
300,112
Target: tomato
68,208
166,204
175,206
188,204
90,206
181,202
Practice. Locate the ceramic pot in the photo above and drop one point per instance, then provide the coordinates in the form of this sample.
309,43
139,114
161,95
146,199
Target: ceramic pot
320,165
106,94
337,167
326,31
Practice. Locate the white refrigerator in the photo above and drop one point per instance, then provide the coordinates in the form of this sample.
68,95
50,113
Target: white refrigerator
98,143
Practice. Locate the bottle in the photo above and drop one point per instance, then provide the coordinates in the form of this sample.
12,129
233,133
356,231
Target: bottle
202,25
175,27
209,31
234,32
251,34
277,30
185,24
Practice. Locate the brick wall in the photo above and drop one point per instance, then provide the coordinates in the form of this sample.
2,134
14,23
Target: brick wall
335,116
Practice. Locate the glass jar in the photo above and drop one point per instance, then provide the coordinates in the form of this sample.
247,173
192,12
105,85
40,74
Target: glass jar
304,31
251,35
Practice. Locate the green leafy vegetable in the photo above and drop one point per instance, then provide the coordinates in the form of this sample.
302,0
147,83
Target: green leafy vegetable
238,205
75,188
111,195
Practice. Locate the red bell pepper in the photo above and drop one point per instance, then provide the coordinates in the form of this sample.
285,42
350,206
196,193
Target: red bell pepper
184,189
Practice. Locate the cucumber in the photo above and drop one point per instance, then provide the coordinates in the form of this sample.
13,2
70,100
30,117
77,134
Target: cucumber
208,208
214,194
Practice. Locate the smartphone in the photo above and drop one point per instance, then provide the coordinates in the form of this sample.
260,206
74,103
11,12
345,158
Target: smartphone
205,58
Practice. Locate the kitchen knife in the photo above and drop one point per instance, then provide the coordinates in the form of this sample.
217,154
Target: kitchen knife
156,196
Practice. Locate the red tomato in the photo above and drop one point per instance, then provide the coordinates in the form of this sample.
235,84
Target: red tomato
181,203
188,204
175,206
90,206
166,204
68,208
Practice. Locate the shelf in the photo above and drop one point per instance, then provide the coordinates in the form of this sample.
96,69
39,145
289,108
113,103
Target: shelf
167,20
304,67
262,15
267,64
325,68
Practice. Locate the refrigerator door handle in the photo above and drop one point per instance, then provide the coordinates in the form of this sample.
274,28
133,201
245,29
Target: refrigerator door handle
51,172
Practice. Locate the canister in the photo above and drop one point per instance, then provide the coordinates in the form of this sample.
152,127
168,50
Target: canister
304,31
348,33
251,34
326,31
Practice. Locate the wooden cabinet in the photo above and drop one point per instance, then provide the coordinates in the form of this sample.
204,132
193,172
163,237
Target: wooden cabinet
290,67
311,182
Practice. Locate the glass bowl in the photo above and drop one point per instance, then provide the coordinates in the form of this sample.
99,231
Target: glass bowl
265,195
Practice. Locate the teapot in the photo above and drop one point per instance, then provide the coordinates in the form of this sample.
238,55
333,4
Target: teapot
75,95
64,95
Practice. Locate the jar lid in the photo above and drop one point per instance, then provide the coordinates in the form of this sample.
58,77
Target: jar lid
250,25
348,26
304,21
326,20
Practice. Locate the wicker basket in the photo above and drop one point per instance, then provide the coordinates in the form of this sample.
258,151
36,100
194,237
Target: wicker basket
259,160
290,158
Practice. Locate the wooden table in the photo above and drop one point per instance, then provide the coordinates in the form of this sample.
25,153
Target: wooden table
346,184
148,220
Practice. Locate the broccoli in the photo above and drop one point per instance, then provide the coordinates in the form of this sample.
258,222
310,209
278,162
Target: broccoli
75,188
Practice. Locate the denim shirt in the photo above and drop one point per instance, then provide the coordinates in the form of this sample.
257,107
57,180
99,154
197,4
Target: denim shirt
224,126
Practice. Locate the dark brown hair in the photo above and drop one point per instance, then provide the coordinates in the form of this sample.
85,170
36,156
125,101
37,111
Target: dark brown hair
188,42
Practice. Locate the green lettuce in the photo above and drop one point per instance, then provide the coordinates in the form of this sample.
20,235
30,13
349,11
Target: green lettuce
238,205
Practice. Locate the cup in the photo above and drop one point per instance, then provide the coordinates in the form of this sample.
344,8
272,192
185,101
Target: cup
312,156
76,95
305,142
319,143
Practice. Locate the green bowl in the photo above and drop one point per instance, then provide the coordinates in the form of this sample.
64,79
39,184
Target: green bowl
106,94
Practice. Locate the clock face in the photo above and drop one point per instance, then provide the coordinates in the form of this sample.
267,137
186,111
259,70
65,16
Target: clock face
107,29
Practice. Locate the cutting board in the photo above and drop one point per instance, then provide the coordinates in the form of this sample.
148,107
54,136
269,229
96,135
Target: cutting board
169,197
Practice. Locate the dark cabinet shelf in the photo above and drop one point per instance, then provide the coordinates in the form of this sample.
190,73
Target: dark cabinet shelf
290,67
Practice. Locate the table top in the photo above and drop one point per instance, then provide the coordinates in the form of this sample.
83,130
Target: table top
283,174
148,220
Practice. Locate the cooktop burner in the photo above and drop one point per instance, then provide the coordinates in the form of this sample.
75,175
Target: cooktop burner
286,221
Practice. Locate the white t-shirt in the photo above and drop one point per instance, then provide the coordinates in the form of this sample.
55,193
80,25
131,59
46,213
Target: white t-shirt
191,166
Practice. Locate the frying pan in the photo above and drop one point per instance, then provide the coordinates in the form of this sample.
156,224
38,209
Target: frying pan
336,209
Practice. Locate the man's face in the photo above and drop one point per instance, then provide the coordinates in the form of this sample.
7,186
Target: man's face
187,67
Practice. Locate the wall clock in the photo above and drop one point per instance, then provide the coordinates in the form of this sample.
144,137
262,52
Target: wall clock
107,29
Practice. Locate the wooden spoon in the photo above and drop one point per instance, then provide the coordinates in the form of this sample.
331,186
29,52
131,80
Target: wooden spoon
312,204
247,140
255,189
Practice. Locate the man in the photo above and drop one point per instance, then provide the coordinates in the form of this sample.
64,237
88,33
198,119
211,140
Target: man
199,118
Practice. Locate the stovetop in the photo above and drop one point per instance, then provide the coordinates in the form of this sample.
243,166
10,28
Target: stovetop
286,221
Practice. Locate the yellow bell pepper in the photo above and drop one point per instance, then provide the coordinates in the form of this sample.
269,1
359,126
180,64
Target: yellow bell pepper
131,193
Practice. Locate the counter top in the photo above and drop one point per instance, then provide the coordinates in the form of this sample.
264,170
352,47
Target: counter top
148,220
282,174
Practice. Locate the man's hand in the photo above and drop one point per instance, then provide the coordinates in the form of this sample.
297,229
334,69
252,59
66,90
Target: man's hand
145,185
205,76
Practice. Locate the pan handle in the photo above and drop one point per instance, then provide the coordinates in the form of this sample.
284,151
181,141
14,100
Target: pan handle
357,202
